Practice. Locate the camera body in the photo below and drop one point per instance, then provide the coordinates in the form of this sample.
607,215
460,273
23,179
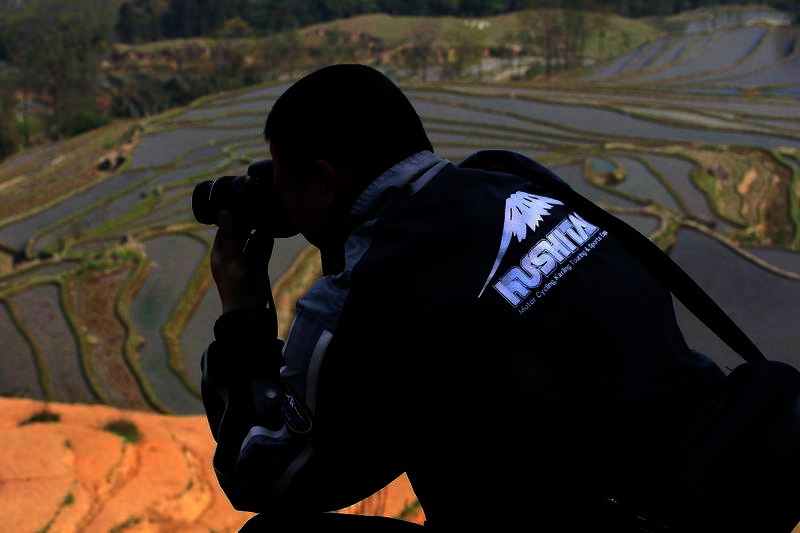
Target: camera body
251,199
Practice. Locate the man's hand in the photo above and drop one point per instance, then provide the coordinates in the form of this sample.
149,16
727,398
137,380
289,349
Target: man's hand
239,266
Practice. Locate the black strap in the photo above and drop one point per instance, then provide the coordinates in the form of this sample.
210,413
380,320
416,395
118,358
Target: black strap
685,289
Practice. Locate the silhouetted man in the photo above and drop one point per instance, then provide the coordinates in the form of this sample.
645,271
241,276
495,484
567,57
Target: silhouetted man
471,329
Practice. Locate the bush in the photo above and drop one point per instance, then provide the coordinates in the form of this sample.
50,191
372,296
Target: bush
30,128
9,142
82,121
43,416
125,429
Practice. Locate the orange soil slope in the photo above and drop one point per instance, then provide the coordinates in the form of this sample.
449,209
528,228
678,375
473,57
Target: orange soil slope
73,476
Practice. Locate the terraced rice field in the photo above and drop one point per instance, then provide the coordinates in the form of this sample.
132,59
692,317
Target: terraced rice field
105,292
753,56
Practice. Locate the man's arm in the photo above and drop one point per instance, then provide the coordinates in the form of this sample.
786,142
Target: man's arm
272,455
241,386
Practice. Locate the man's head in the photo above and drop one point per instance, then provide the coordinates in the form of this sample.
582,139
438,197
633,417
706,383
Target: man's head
330,135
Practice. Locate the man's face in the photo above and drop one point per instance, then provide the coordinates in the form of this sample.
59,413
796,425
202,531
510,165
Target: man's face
305,201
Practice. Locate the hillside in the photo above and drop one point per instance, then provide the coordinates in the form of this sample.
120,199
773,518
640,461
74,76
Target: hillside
622,33
149,473
106,296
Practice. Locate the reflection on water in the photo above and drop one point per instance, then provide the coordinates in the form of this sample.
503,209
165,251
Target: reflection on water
602,166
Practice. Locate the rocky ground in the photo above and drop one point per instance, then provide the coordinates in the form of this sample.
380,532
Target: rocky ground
148,473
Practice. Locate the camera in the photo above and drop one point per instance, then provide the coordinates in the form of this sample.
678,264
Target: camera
251,199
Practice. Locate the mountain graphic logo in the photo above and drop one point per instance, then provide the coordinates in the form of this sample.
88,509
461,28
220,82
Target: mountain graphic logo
523,211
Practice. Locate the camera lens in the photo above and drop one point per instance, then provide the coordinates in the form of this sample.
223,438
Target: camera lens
250,198
200,204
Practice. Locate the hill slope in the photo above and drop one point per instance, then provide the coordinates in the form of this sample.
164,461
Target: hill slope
72,475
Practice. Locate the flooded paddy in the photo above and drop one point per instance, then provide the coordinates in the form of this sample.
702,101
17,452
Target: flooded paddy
668,100
117,210
696,118
175,257
678,172
451,111
198,333
250,122
199,172
216,109
644,224
612,124
785,259
641,183
573,174
18,374
765,305
41,312
713,53
441,140
170,147
17,233
771,50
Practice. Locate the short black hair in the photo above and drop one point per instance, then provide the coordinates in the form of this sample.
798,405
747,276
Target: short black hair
349,114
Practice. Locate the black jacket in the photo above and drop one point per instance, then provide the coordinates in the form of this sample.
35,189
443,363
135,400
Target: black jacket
482,336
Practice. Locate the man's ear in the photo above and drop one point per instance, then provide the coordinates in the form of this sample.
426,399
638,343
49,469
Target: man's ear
327,180
336,184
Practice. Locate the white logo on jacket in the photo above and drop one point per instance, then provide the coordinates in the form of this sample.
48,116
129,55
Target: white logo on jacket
523,210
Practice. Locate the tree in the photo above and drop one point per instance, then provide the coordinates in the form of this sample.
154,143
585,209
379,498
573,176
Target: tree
288,49
235,28
575,33
138,21
57,46
194,18
9,133
545,21
419,54
336,47
469,42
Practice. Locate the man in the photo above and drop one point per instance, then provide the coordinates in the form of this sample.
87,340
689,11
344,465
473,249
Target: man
470,329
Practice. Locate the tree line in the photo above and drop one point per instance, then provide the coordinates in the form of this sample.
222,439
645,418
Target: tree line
63,73
149,20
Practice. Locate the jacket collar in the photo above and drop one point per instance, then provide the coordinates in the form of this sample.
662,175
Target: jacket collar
394,185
